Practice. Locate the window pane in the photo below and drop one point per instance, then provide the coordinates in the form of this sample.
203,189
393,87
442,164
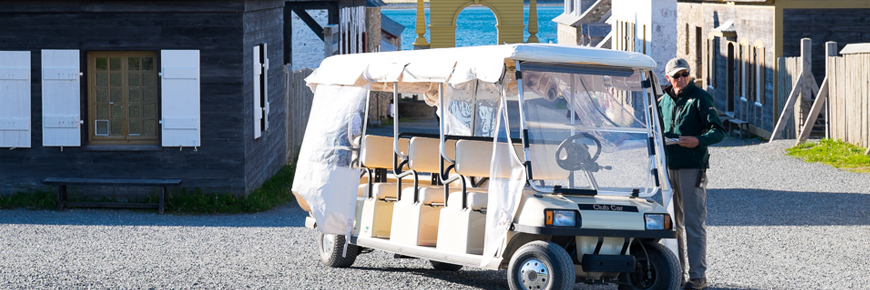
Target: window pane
133,63
135,111
101,127
115,79
133,80
101,63
147,63
102,95
115,95
148,128
148,79
117,112
133,94
102,79
115,63
149,112
135,127
116,127
149,95
102,111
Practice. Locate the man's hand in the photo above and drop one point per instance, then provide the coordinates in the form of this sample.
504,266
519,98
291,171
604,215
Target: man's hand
689,141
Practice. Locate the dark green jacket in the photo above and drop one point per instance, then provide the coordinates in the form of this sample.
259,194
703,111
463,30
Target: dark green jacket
691,113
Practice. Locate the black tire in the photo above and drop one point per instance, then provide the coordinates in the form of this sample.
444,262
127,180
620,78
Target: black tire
664,267
331,248
444,266
552,266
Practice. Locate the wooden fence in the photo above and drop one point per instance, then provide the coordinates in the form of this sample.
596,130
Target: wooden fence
849,91
788,73
298,98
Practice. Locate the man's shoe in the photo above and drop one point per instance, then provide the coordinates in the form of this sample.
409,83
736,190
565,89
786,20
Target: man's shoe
696,284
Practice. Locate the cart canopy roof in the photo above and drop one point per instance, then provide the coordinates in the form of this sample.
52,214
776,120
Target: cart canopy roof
459,65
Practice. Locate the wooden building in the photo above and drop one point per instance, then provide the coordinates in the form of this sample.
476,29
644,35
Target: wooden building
734,47
190,90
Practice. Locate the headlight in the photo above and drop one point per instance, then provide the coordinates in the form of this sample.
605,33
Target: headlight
560,218
658,221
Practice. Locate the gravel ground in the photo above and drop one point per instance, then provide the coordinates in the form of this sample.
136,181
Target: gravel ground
774,223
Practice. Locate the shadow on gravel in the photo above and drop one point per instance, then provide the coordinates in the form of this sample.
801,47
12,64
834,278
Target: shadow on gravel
758,207
289,215
475,278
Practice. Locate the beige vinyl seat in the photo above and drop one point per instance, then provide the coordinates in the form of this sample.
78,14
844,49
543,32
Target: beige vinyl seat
424,156
415,222
374,215
377,153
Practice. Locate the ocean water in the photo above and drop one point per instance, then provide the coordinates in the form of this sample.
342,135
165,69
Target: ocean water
475,25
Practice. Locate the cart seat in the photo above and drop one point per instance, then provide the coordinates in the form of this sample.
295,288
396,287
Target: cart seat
382,190
477,200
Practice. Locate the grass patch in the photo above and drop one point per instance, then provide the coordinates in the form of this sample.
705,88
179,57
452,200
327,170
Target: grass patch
275,192
835,153
29,200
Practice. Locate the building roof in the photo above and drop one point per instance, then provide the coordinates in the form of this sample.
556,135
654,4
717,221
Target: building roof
391,26
854,48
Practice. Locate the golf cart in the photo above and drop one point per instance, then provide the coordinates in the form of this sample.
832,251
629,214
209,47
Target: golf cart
545,163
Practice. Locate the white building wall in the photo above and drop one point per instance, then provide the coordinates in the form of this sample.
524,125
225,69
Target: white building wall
307,47
658,19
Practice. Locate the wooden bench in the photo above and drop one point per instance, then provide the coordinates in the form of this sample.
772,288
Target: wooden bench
62,182
742,126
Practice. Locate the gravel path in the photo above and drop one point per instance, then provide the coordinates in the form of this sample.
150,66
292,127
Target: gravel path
774,223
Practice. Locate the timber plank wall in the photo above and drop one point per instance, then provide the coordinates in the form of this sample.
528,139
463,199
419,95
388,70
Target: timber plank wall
843,26
218,30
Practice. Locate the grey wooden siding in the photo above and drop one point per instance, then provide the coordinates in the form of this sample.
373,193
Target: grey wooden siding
263,23
843,26
218,30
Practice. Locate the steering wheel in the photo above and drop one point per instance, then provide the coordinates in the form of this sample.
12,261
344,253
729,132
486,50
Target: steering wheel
577,155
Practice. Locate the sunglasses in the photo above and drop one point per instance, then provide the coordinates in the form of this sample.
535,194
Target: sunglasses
679,75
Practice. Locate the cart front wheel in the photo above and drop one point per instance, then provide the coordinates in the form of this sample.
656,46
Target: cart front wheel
331,249
655,268
541,265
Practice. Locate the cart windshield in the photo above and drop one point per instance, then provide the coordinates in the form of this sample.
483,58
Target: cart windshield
587,128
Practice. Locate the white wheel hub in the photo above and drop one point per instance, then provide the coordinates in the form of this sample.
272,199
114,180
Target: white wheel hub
534,274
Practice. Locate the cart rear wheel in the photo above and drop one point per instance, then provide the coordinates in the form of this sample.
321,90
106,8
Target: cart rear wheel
541,265
660,271
331,248
444,266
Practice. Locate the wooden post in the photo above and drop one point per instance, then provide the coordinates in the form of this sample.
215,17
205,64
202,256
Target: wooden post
830,50
798,87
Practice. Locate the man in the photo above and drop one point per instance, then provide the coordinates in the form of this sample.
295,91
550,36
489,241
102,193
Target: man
688,115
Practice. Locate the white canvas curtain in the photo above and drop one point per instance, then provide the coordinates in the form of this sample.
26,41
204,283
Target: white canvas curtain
506,184
326,176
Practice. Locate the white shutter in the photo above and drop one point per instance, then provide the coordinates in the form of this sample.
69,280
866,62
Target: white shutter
258,111
15,99
179,96
266,86
61,97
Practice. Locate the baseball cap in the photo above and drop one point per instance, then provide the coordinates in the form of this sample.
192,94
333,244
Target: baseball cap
675,65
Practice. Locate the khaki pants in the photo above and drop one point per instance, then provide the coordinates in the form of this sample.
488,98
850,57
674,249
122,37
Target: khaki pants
690,208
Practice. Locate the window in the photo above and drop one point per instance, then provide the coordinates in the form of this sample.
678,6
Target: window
261,89
760,73
122,98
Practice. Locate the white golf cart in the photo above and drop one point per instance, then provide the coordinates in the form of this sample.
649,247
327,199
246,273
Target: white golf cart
544,164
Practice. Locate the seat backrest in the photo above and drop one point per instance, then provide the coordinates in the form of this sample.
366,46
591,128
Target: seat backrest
473,158
424,154
377,151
